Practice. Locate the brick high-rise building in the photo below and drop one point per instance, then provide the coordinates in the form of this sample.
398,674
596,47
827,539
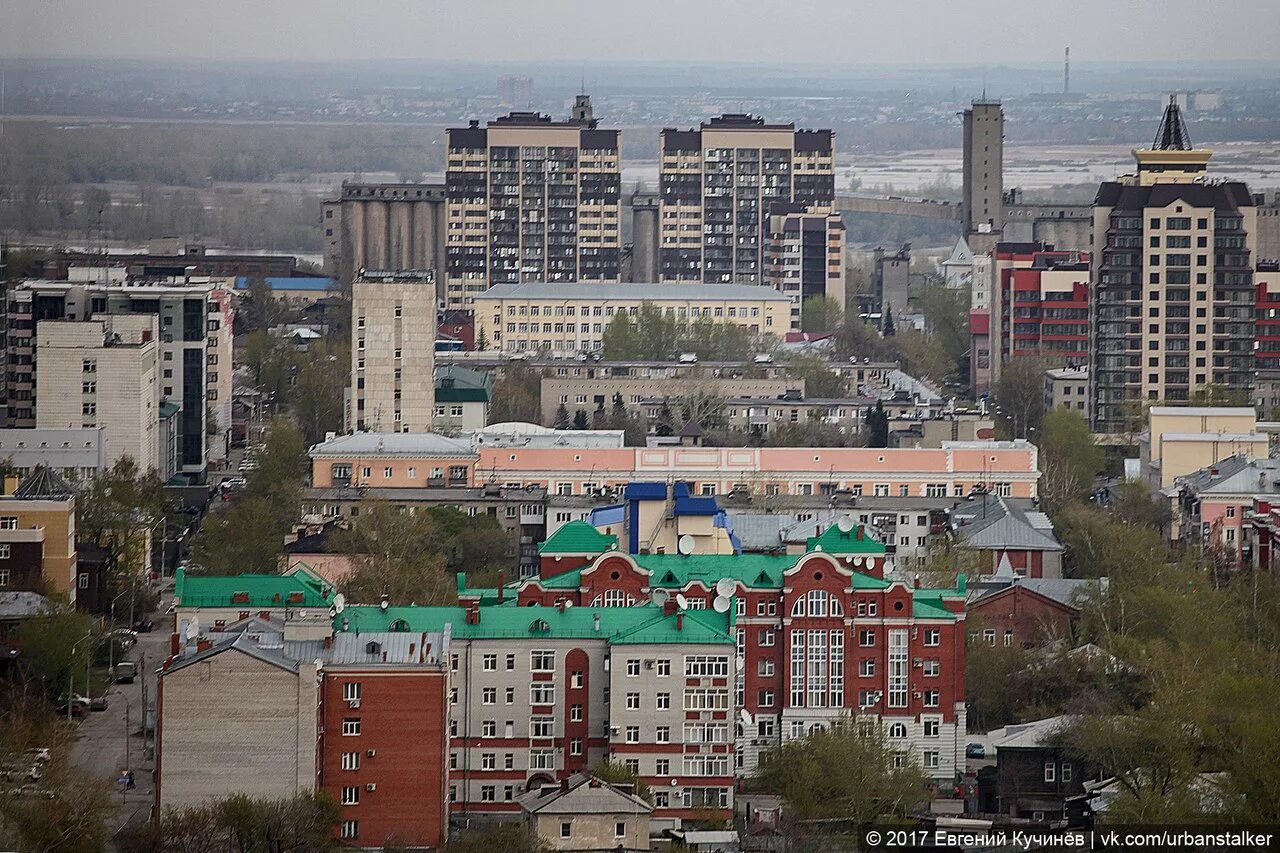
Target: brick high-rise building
1173,274
1044,303
718,187
531,199
805,255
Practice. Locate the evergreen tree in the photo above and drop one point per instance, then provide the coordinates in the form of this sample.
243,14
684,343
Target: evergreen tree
618,416
887,329
878,426
666,421
562,420
580,419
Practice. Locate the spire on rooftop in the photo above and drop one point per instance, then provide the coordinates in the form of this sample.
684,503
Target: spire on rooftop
1172,135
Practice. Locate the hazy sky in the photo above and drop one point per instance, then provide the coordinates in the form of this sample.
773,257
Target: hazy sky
827,31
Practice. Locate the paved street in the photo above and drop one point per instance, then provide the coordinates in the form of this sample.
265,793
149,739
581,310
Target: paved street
109,742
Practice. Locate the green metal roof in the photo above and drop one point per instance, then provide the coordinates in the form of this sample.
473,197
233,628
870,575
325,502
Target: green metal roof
836,541
464,385
673,571
262,590
643,624
578,537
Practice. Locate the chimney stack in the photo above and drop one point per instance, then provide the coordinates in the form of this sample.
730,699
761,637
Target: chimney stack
502,583
680,621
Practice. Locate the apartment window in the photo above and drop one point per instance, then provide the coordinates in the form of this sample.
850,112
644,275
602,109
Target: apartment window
705,666
931,759
511,663
350,727
566,829
542,661
633,734
490,663
542,759
931,698
1066,772
662,767
765,698
542,726
1049,771
575,746
932,726
350,761
350,795
932,637
511,695
489,761
662,734
488,793
542,693
867,637
351,829
620,829
931,668
867,668
575,713
633,667
664,667
489,728
767,637
351,691
633,701
489,696
662,702
9,522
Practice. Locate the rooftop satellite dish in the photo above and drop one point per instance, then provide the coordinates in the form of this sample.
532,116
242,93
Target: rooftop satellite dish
660,596
857,561
685,544
681,601
567,604
845,523
720,605
339,602
726,586
193,628
888,566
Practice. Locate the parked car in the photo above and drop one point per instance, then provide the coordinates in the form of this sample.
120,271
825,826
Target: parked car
143,626
98,704
125,672
975,750
78,706
125,637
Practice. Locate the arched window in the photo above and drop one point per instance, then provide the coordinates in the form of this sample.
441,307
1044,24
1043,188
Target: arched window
613,598
398,627
797,609
898,731
837,609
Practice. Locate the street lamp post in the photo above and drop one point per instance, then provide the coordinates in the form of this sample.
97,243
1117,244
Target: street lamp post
111,646
71,672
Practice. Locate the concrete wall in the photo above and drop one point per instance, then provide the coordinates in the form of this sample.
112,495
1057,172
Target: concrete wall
592,831
261,741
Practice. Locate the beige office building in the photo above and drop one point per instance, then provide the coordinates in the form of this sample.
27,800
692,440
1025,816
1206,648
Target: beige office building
393,318
719,184
102,373
531,199
569,318
805,256
1173,273
1067,388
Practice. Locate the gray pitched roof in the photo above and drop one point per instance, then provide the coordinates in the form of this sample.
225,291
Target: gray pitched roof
584,794
241,642
20,605
994,523
1239,474
393,444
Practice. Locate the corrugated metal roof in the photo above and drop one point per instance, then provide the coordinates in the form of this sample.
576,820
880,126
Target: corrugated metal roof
393,444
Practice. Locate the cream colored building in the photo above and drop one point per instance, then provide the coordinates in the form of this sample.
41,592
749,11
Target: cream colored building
571,318
1173,258
1183,439
1067,388
531,199
262,741
393,319
103,373
805,256
38,535
584,813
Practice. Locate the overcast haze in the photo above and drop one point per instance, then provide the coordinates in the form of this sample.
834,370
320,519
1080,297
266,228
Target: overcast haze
825,31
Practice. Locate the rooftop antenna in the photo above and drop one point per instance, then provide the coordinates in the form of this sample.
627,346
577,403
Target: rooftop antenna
1066,72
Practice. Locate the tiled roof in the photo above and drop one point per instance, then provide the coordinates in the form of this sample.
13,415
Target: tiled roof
644,624
578,537
261,590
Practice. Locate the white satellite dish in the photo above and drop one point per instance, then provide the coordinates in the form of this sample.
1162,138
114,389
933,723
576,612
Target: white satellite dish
685,544
888,566
857,561
845,523
193,628
681,601
339,602
726,586
660,596
720,605
567,604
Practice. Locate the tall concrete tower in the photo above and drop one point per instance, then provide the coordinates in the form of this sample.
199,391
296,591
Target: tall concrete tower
582,112
982,203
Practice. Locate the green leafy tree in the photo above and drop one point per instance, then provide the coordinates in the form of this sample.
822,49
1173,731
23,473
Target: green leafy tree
517,395
617,773
317,394
55,648
508,837
844,772
397,554
258,309
819,379
1019,396
820,314
1069,458
470,543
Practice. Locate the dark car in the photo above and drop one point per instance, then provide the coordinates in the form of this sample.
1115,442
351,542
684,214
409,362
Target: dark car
143,626
975,750
98,704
